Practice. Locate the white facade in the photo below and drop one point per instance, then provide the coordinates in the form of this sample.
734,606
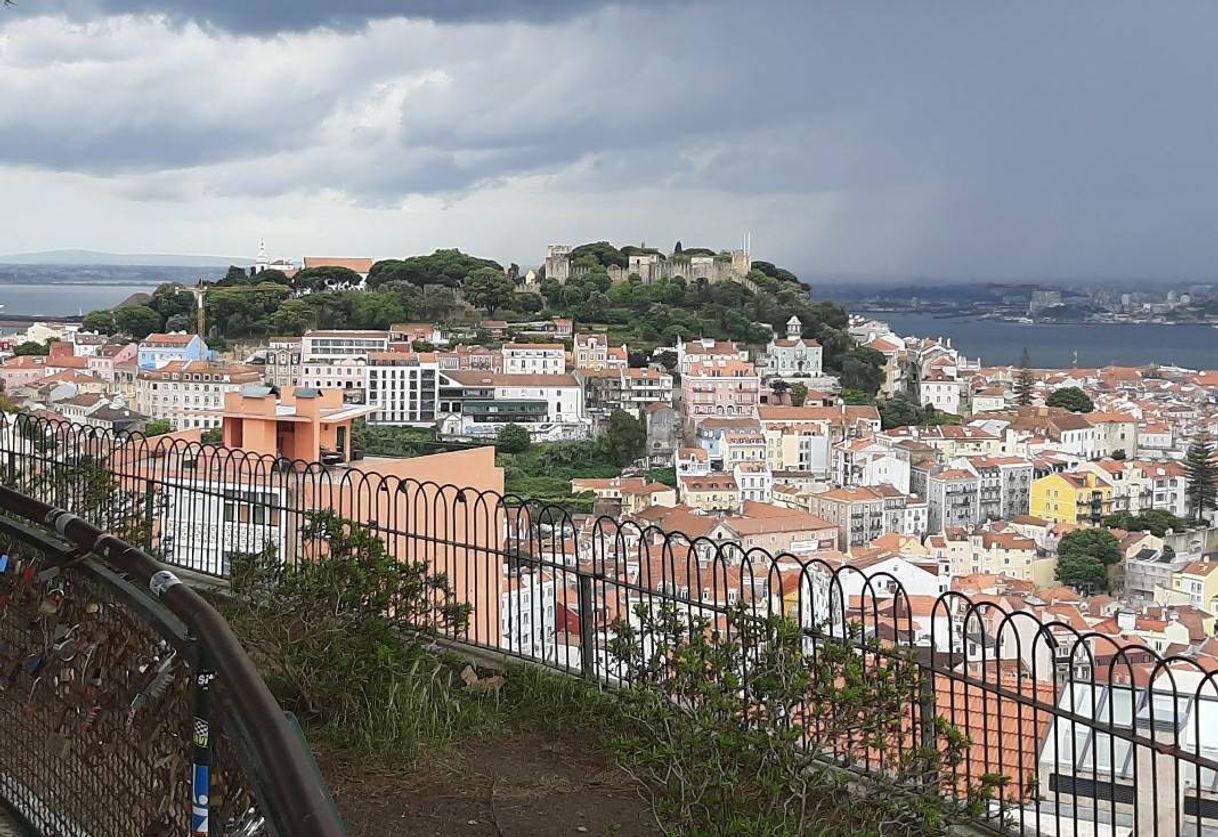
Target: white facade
534,359
341,373
404,388
943,395
527,619
190,395
794,355
755,481
331,345
204,524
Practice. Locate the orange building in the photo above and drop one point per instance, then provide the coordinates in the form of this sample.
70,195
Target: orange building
301,424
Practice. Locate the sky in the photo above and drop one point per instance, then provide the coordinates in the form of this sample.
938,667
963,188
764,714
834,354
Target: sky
972,139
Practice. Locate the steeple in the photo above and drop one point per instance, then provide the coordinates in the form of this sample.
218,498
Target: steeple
794,328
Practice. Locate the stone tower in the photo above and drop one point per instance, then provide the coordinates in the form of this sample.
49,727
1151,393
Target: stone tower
794,328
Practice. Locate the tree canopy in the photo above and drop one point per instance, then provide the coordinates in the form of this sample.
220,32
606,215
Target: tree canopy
1083,558
1202,476
443,267
1070,398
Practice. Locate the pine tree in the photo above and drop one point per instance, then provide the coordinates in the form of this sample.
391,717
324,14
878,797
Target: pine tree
1023,383
1202,475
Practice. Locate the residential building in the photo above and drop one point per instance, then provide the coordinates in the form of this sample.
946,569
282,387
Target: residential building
591,351
755,481
101,363
158,350
856,513
629,495
663,432
190,394
710,492
479,404
1195,584
318,346
1005,485
1079,497
720,388
953,497
301,424
534,358
706,350
402,388
871,461
281,362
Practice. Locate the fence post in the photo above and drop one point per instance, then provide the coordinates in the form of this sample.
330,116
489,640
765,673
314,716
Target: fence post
149,511
587,627
926,712
200,780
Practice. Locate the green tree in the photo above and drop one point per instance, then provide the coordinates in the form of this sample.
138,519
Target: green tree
1083,557
101,322
447,267
862,369
158,427
137,320
799,394
1023,380
856,397
488,288
513,439
1070,398
1202,476
293,317
625,439
779,387
234,276
30,347
180,322
212,436
1155,521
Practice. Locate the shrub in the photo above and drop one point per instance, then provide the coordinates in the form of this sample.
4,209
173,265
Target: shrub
738,729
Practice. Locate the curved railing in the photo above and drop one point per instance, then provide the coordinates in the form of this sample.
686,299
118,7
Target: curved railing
128,707
1095,731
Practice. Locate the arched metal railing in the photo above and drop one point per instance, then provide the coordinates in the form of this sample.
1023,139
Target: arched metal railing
1095,731
127,705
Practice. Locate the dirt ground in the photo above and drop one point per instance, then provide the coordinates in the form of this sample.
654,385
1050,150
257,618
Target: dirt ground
529,786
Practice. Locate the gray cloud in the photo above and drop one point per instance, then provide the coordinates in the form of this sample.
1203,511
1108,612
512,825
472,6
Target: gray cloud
1032,139
269,16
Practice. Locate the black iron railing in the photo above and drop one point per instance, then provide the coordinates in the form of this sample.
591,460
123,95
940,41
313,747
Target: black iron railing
1093,730
129,708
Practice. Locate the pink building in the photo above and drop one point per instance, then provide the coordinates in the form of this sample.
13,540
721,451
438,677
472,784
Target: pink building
23,370
102,363
721,388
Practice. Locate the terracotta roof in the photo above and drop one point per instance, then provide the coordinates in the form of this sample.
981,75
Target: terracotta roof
357,265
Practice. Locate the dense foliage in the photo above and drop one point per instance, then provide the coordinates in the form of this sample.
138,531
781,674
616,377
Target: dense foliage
1083,559
738,730
900,411
1070,398
1155,521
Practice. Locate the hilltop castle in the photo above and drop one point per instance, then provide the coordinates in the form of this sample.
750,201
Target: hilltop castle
652,266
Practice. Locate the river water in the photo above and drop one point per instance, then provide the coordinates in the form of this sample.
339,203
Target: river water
1055,346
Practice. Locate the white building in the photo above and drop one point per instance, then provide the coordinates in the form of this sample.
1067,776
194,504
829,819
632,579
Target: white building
534,358
527,619
334,345
403,386
793,355
346,373
755,481
190,394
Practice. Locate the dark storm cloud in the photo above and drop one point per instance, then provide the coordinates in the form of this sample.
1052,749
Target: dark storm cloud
265,16
1035,138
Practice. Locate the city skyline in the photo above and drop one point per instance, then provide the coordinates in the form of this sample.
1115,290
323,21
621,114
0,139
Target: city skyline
939,140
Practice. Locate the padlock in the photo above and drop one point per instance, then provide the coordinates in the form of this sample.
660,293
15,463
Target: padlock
58,742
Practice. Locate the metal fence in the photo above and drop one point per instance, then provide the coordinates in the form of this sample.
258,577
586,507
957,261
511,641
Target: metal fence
128,706
1094,735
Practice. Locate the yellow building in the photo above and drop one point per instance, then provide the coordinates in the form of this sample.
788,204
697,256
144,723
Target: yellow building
1196,585
710,492
1080,497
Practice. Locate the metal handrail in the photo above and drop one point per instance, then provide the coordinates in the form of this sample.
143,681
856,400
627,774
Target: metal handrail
294,791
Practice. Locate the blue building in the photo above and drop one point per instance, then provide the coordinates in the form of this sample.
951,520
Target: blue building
156,350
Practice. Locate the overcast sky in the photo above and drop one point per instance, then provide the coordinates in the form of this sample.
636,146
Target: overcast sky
971,138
